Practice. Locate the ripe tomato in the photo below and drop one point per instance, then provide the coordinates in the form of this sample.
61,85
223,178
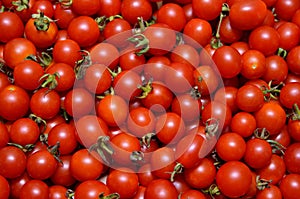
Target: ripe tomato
85,7
207,10
4,81
253,64
277,69
44,6
16,50
158,98
41,165
291,158
141,121
109,7
258,153
155,67
63,15
124,146
290,185
84,30
14,102
45,103
160,189
162,38
234,179
82,161
264,39
270,116
286,9
62,175
89,128
247,15
13,162
4,135
199,30
123,181
64,134
249,98
5,187
288,94
66,51
57,192
169,128
228,61
91,189
243,123
132,9
27,74
13,26
173,15
78,102
35,189
231,146
16,185
289,35
272,191
293,60
61,77
163,162
24,131
192,194
229,34
41,31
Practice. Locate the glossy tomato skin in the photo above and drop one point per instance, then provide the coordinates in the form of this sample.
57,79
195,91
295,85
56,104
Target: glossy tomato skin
228,61
27,74
123,181
62,175
16,50
57,192
289,35
229,34
5,187
35,189
289,185
131,9
45,103
163,162
91,189
243,123
160,189
4,135
63,15
16,185
207,10
265,39
173,15
234,179
66,51
246,15
249,98
276,69
286,9
78,102
270,116
24,131
82,161
40,38
293,60
109,7
14,102
85,7
291,158
13,162
13,26
84,25
288,95
41,165
253,64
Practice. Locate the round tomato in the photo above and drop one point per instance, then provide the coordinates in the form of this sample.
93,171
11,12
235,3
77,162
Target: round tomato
35,189
160,189
290,185
13,26
91,189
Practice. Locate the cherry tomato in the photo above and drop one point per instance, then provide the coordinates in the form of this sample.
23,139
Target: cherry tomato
16,185
161,189
192,194
289,35
243,123
14,102
132,9
13,26
173,15
293,60
63,15
35,189
277,69
207,10
253,64
290,185
82,161
16,50
109,7
249,98
91,189
13,162
84,7
234,179
5,187
247,15
286,9
4,135
291,158
288,94
124,182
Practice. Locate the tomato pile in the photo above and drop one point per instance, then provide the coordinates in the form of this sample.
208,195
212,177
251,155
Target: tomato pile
151,99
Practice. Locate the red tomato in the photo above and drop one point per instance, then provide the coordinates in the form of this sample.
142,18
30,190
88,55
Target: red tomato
234,179
291,158
249,98
247,15
13,26
109,7
5,187
124,182
132,9
16,50
41,31
286,9
85,7
243,123
4,135
293,60
207,9
160,189
82,161
14,102
290,185
91,189
253,64
35,189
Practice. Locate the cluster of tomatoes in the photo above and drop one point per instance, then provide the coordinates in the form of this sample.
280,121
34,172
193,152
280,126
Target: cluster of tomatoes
151,99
